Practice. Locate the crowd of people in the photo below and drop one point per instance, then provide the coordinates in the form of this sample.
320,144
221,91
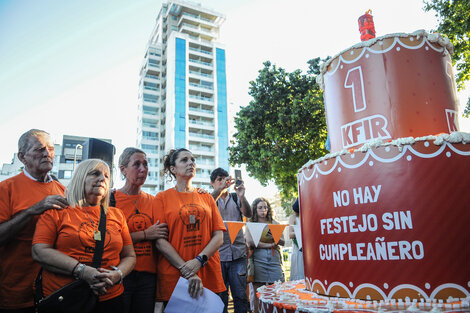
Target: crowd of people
129,247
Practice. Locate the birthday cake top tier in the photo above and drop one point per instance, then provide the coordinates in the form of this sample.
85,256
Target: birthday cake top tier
394,86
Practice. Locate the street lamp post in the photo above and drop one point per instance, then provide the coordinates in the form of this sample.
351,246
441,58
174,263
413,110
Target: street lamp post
75,156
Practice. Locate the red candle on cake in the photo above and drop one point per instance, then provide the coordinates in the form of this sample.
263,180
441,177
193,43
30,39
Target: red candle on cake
366,26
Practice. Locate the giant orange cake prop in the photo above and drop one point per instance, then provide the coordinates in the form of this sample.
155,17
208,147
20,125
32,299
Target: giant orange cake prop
385,217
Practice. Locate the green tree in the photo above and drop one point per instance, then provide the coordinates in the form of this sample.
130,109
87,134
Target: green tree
454,22
282,128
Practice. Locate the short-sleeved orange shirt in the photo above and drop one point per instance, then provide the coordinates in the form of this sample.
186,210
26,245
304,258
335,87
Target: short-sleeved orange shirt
191,218
139,213
17,268
71,232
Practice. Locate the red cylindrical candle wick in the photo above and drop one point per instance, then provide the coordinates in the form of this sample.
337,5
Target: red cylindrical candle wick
366,26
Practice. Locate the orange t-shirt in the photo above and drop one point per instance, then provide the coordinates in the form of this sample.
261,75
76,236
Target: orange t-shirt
191,218
17,268
139,213
71,232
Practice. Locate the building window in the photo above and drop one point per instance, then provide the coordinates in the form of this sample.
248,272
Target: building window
149,148
150,98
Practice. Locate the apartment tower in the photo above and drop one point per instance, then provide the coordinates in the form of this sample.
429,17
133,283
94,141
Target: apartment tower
183,92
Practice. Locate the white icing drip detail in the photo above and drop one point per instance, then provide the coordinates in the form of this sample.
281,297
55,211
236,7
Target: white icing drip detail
443,140
436,38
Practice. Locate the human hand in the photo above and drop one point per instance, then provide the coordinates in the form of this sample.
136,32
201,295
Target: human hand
201,190
240,189
195,287
49,202
190,268
109,277
89,275
157,231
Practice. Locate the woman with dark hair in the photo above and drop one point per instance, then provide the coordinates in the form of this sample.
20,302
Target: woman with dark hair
195,231
64,240
137,206
267,255
297,261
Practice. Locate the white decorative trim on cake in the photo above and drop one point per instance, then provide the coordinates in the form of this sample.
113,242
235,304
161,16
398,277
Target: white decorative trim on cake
404,145
435,38
275,294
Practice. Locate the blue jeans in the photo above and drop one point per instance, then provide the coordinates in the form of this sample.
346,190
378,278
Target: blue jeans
139,292
234,273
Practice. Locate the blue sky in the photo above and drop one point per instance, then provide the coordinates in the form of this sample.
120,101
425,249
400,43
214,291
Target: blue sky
71,67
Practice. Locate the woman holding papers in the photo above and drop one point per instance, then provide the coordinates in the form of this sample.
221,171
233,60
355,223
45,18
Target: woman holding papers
266,256
195,231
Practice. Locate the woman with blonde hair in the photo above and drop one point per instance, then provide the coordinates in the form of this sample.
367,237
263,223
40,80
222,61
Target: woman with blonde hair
64,241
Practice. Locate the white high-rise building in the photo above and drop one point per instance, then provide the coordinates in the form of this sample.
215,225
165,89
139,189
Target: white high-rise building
183,92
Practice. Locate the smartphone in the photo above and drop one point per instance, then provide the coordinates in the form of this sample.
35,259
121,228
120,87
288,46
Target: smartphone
238,177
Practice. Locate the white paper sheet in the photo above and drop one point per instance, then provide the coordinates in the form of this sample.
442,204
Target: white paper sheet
181,301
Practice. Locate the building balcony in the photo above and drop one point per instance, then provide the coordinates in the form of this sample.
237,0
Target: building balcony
201,52
147,141
201,137
198,87
201,112
205,164
201,125
151,116
204,152
151,90
151,69
152,78
185,16
200,74
200,41
202,99
199,63
149,127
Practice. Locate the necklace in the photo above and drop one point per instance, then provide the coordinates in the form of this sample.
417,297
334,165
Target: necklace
96,233
192,217
137,204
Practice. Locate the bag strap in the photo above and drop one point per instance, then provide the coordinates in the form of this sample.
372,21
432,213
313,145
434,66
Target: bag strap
97,255
99,244
235,199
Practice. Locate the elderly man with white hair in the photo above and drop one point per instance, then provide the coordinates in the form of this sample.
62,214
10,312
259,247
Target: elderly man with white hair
23,198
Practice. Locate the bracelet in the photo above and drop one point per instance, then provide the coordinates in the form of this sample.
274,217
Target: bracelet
80,270
73,270
117,269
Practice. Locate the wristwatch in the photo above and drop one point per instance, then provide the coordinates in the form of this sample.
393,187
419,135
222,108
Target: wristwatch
203,259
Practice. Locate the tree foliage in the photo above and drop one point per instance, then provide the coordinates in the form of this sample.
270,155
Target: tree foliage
454,22
282,128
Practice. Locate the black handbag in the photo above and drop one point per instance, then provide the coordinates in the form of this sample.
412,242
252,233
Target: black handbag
76,297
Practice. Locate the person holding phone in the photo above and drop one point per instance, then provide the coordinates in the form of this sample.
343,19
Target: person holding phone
232,207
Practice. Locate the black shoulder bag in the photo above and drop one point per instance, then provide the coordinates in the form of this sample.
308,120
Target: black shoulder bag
76,297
